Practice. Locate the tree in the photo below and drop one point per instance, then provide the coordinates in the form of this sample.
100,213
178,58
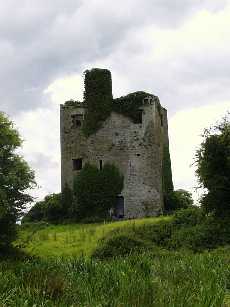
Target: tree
51,209
178,199
213,168
35,214
96,190
16,178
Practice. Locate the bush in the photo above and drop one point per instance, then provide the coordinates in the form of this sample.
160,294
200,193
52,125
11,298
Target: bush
118,246
179,199
96,190
189,217
35,214
207,235
50,209
53,207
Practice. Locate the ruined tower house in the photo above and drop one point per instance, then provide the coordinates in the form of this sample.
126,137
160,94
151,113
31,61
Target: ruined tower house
137,143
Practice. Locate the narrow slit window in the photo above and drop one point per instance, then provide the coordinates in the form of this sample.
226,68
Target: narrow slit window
77,164
100,165
162,123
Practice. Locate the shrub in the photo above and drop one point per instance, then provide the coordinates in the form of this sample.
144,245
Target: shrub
50,209
35,214
96,190
207,235
189,217
179,199
117,246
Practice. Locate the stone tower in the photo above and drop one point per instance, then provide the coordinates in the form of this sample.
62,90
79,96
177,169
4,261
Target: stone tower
136,147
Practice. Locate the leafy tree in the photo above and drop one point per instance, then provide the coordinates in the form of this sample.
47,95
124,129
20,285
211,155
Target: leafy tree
50,209
178,199
96,190
16,178
35,214
213,168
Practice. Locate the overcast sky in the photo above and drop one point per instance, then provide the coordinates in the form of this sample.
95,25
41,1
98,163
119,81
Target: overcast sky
178,50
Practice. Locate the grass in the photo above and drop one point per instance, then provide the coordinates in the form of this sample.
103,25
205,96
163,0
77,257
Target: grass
64,271
75,239
168,279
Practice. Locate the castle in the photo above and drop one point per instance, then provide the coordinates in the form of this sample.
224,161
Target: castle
135,139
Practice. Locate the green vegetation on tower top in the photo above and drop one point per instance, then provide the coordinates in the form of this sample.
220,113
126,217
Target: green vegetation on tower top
98,98
128,105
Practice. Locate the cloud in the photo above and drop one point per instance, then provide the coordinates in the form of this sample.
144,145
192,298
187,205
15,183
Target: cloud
185,130
185,66
41,42
41,147
63,89
178,50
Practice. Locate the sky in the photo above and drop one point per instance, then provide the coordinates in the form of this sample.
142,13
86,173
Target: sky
178,50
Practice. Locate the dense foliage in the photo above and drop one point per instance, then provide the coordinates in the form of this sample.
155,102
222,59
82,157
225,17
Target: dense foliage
15,179
189,229
94,193
130,104
96,190
178,199
50,209
98,98
213,168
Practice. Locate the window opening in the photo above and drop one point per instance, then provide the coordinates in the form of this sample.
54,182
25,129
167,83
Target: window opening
138,117
77,164
77,120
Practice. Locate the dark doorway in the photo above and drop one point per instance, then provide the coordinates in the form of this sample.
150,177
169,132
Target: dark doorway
77,164
119,207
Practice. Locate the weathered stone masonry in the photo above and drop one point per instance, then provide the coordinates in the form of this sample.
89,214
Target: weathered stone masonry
136,149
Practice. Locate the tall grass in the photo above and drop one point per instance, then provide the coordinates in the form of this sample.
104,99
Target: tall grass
65,270
169,279
72,240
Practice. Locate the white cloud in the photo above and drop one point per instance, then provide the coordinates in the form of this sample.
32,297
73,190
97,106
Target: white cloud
185,130
41,147
63,89
178,50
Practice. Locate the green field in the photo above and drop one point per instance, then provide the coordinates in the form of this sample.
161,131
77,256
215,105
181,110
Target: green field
73,240
71,265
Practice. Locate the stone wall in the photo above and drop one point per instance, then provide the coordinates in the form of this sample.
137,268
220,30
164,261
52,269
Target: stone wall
136,149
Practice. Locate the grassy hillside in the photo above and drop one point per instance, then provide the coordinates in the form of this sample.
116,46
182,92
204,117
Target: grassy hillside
75,265
45,240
